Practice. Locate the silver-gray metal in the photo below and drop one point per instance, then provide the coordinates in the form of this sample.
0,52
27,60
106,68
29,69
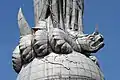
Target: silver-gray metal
23,25
57,48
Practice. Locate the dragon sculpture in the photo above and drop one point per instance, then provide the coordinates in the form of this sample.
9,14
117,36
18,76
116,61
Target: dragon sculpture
58,29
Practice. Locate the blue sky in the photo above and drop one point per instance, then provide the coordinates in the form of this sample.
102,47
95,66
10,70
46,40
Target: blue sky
105,13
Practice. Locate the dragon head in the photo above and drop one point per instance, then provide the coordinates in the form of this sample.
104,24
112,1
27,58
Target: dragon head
91,43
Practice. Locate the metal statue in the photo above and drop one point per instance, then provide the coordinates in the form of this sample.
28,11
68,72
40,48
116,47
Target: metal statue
57,48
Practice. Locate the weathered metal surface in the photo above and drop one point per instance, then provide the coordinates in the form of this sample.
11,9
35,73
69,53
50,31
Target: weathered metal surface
56,48
74,66
23,25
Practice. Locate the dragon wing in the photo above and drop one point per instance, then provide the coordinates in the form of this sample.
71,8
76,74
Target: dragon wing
40,10
23,25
